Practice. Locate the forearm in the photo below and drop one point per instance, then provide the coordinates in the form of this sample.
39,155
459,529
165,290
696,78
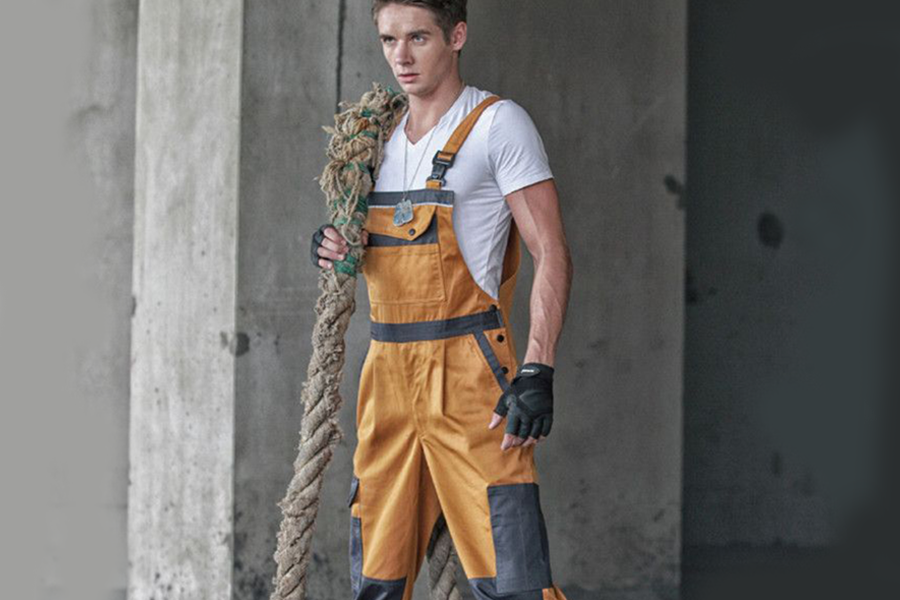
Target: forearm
549,299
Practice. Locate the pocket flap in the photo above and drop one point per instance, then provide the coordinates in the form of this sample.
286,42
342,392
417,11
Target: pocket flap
380,221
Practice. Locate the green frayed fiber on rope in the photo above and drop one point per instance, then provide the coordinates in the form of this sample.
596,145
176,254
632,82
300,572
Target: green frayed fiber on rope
345,220
348,266
367,133
358,165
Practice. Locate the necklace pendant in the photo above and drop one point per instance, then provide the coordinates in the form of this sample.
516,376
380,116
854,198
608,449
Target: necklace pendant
403,212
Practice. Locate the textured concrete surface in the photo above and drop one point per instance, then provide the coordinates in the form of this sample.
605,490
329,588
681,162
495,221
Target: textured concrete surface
787,274
288,90
605,84
184,339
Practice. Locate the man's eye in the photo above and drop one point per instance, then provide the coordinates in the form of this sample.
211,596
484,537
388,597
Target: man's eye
418,38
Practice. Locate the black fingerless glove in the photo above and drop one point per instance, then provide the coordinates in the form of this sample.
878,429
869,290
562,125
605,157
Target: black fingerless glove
528,401
317,238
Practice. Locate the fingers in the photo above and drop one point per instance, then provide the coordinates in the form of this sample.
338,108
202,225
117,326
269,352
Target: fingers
364,236
334,235
520,430
331,246
512,427
516,431
513,422
502,407
524,428
546,425
534,434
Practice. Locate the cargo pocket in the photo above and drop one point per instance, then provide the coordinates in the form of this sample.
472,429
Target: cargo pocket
520,538
355,539
403,263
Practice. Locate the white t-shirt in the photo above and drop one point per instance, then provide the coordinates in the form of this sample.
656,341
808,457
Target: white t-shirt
503,153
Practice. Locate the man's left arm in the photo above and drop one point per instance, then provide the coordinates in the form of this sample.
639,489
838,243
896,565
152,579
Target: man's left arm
538,217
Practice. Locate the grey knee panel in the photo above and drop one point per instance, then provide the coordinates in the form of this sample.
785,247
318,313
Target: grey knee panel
366,588
520,539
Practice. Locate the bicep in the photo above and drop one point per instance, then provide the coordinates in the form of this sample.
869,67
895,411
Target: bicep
538,217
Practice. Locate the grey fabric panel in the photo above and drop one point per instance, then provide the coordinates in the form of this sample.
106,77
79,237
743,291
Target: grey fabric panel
437,330
355,554
380,589
520,538
485,588
488,352
367,588
354,486
415,196
430,236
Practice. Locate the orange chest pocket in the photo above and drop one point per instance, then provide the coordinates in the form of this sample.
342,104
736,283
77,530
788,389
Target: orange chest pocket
403,263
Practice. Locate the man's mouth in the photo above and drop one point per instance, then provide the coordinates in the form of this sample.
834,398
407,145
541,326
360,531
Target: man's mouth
407,75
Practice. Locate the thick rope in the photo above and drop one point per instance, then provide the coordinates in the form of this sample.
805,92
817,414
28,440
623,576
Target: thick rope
443,564
355,153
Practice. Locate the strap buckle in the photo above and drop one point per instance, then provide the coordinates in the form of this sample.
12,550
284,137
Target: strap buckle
441,162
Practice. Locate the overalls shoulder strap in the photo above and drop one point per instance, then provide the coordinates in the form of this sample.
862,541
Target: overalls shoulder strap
443,159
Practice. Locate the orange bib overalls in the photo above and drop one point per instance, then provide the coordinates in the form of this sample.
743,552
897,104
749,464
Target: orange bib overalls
440,355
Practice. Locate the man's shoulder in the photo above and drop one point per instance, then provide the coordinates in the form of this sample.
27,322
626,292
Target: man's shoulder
504,114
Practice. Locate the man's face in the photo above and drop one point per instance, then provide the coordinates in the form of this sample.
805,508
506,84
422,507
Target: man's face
415,49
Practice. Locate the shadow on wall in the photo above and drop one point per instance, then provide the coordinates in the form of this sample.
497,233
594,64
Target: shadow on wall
791,288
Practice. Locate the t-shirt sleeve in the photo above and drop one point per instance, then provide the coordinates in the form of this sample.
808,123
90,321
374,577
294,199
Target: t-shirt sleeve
515,149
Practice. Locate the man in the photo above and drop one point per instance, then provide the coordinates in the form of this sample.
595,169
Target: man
440,267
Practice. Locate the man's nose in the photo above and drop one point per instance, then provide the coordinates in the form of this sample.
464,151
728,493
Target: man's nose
402,55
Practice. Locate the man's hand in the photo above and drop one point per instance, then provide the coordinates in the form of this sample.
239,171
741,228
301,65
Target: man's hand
328,243
529,405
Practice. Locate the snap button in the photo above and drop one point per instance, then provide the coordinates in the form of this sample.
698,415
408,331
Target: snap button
412,231
500,338
505,370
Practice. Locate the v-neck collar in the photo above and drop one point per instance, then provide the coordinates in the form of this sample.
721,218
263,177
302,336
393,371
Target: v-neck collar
436,125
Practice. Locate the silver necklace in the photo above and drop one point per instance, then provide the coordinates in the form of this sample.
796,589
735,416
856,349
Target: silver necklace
403,211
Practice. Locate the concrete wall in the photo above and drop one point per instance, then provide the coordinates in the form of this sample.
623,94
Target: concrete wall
289,91
787,272
605,85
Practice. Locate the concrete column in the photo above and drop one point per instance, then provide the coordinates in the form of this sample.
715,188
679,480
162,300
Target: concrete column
183,330
231,101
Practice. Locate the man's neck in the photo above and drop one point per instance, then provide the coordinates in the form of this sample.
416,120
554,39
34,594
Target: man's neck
425,112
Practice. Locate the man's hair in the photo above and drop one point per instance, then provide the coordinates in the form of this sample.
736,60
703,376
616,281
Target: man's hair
447,13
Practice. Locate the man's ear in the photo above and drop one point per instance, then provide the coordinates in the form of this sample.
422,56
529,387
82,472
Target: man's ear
459,35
